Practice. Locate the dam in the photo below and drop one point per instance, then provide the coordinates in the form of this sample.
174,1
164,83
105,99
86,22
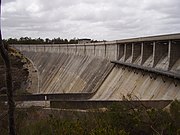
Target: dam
145,68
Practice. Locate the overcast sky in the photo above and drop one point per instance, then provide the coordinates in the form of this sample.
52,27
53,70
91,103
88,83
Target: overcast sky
95,19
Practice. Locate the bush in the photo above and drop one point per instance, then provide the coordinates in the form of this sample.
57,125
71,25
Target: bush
118,120
3,119
175,115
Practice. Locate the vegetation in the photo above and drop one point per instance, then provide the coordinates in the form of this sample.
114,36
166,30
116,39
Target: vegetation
19,72
29,40
117,120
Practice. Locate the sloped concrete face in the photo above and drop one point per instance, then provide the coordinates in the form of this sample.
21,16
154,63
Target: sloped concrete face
137,85
65,73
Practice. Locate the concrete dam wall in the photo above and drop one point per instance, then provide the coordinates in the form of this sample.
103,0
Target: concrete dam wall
126,83
139,68
65,73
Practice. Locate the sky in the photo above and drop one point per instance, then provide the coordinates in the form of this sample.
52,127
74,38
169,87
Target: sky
95,19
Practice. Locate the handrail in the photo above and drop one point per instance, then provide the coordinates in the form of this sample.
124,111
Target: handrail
151,38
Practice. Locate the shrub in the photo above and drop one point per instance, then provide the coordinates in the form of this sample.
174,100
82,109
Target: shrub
118,120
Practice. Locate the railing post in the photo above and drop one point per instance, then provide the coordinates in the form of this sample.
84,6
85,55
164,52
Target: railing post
169,54
132,45
154,53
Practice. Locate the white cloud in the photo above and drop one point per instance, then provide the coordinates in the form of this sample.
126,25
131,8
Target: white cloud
102,19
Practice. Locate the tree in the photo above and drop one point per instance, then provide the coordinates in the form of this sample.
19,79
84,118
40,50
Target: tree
11,104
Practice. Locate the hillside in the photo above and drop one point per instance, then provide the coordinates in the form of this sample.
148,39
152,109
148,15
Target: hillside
19,72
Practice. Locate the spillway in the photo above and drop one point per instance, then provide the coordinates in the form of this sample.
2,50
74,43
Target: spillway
124,83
